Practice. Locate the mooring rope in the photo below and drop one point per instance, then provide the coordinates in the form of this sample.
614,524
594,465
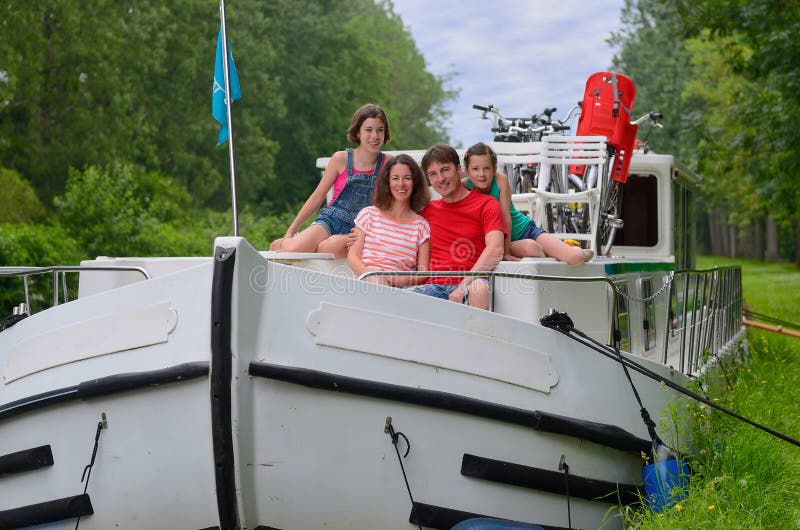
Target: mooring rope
563,324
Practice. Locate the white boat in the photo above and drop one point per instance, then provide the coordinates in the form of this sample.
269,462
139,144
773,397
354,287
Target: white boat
253,390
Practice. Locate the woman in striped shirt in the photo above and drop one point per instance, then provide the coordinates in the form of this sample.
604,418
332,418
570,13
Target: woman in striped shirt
390,236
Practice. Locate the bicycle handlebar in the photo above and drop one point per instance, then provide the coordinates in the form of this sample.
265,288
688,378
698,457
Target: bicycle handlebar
654,118
523,129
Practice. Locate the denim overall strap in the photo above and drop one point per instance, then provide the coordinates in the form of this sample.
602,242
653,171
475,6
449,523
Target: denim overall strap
378,165
349,162
356,193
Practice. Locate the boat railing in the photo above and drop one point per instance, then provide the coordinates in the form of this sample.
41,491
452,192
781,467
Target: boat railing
492,277
59,273
703,309
705,315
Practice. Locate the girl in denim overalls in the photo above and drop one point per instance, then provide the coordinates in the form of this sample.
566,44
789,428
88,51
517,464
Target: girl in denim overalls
352,175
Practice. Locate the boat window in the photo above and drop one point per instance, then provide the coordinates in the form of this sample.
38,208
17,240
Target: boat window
685,232
639,212
649,322
621,320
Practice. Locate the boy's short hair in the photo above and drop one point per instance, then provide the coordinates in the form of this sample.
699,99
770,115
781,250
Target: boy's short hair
441,153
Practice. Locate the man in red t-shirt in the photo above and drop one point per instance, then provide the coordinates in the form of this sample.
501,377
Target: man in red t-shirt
467,231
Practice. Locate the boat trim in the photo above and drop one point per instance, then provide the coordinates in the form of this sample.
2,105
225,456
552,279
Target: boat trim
26,460
599,433
549,481
432,516
220,387
112,384
47,512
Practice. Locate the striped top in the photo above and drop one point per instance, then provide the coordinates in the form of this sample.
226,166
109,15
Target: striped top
391,245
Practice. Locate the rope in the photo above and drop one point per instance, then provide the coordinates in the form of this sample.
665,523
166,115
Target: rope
608,352
565,325
395,436
772,320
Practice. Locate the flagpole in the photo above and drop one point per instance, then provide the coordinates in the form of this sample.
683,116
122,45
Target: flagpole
228,102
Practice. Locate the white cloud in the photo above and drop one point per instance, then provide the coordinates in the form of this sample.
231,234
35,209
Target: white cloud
521,55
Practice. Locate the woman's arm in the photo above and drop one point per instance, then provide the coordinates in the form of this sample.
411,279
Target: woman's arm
423,264
505,207
337,162
354,260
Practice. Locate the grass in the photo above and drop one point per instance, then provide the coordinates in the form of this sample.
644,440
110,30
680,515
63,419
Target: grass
744,477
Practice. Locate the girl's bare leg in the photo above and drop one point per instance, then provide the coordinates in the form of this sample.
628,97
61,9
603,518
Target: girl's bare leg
306,241
527,248
336,245
556,248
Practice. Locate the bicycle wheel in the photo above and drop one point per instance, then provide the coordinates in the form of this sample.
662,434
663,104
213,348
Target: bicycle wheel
558,215
514,178
610,219
528,180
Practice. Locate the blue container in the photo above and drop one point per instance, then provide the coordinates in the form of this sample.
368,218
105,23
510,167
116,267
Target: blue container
665,483
487,523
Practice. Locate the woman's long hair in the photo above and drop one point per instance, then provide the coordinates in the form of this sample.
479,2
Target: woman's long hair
420,196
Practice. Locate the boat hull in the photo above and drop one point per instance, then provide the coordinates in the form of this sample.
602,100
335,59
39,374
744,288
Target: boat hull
267,405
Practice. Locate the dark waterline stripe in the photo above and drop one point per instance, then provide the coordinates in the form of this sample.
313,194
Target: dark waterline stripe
445,518
549,481
47,512
599,433
26,460
112,384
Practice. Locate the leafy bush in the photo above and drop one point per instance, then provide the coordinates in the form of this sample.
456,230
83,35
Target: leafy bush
124,210
33,245
18,201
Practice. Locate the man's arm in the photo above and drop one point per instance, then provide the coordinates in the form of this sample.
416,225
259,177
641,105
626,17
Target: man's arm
487,261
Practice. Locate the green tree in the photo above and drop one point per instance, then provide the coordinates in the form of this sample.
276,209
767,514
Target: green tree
653,53
342,55
18,202
88,83
728,107
759,43
33,245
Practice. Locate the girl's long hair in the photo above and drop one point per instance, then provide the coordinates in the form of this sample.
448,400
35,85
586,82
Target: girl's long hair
480,149
370,110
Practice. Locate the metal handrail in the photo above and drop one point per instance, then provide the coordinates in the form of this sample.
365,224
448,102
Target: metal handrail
709,313
512,275
25,272
712,324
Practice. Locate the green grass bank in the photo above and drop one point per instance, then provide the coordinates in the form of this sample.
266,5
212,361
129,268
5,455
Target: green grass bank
744,477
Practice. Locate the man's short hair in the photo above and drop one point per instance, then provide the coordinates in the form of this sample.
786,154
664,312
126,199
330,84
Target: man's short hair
441,153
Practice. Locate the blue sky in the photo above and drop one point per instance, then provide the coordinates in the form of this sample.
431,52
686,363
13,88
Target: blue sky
519,55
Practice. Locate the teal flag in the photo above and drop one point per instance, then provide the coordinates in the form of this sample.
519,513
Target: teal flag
218,92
